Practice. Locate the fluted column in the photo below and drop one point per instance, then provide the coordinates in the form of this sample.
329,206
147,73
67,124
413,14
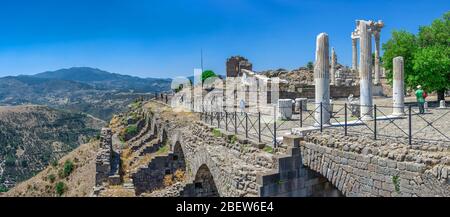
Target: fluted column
398,95
333,67
322,79
365,69
377,58
354,54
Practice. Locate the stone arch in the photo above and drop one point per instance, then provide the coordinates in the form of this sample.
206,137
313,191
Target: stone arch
204,185
178,159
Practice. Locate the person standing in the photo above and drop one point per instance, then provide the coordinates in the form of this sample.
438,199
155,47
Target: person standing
420,96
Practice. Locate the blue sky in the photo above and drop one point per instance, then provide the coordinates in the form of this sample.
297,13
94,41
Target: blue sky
163,38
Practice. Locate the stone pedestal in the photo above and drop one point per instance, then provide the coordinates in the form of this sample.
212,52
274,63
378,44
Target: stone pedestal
338,82
303,102
442,104
348,82
425,106
285,109
398,93
322,80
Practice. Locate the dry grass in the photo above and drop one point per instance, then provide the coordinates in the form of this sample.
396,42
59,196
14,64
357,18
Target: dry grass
79,183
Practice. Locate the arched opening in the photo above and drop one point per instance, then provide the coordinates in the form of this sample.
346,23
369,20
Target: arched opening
204,185
178,160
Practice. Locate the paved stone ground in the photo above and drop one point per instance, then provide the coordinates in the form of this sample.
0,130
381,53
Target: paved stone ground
431,127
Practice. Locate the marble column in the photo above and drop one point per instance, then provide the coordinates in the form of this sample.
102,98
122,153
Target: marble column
333,67
322,80
377,58
354,54
398,93
365,69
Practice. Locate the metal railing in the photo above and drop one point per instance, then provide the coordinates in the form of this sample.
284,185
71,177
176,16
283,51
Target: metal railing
378,122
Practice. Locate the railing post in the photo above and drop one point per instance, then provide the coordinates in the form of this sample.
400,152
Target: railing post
226,121
321,117
212,118
301,113
246,125
235,122
275,127
345,119
259,126
218,119
409,126
375,122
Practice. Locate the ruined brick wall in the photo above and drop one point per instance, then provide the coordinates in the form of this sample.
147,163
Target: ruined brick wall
233,63
309,92
104,157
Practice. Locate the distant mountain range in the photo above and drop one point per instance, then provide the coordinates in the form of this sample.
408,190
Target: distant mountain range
79,89
100,79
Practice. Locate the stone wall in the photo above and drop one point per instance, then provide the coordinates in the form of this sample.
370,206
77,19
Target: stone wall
309,92
358,168
292,178
104,157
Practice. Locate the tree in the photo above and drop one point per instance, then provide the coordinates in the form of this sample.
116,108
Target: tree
208,74
310,65
432,67
437,33
402,44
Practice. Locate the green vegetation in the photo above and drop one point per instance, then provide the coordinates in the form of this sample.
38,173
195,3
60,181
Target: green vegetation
216,132
54,163
51,178
67,169
396,181
208,74
310,65
426,56
233,139
60,188
10,160
131,130
3,188
163,149
268,149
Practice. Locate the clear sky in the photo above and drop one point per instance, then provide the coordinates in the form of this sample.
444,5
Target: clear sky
163,38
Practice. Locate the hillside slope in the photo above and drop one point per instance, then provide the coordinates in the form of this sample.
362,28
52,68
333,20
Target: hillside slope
79,183
31,137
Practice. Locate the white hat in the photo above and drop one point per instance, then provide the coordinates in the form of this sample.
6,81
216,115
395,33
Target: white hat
419,87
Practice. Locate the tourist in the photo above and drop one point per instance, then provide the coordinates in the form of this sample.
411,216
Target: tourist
420,95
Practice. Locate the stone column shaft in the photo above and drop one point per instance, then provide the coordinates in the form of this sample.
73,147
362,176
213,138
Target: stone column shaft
354,54
398,93
365,71
377,58
322,79
333,67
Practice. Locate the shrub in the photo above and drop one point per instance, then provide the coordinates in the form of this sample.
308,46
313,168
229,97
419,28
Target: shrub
67,169
54,163
268,149
233,139
396,181
60,188
216,133
3,188
10,161
163,149
51,178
